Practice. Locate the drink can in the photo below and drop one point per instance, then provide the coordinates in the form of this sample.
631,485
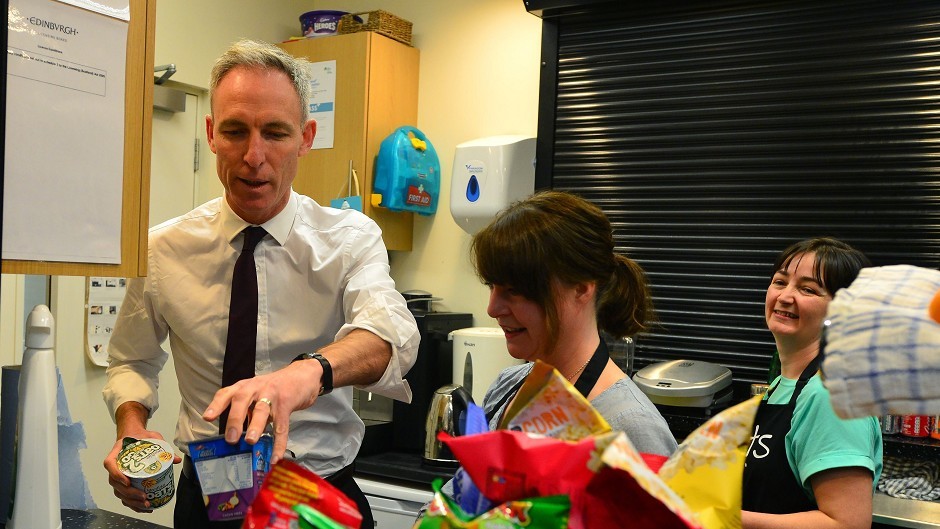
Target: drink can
890,424
915,425
935,430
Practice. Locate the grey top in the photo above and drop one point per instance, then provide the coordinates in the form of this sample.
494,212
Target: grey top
623,405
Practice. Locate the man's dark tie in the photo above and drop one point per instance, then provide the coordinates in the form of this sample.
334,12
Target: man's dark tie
239,360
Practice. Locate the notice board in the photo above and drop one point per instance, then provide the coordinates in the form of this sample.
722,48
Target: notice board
77,136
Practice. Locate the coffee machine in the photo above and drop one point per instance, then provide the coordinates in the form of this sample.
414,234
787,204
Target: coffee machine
433,369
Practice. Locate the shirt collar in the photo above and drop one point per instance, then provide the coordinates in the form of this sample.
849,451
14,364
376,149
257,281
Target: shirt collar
278,227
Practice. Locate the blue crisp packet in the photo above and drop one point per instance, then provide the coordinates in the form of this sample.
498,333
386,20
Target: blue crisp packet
230,475
466,493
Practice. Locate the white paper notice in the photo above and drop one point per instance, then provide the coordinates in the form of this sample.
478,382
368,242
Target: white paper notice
105,295
322,100
63,169
113,8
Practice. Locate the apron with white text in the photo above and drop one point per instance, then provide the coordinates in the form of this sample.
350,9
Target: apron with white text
769,485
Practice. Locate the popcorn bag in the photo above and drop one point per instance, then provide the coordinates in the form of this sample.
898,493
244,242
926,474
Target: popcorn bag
547,404
707,469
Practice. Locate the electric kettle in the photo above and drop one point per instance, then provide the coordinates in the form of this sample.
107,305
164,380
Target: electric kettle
447,413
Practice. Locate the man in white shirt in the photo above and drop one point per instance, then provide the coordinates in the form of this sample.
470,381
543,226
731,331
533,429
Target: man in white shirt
328,312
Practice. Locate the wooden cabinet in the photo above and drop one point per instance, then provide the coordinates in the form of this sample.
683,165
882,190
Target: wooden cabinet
376,92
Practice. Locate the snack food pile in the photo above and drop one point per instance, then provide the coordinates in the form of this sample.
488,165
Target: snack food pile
606,482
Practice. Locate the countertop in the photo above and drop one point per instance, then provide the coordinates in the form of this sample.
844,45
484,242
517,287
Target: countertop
99,519
899,512
401,467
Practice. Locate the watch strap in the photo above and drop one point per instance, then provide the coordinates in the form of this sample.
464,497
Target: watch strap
326,379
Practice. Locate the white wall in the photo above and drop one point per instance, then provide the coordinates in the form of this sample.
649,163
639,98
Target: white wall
478,77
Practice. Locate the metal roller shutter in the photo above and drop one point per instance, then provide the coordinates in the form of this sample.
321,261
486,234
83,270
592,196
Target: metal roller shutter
716,134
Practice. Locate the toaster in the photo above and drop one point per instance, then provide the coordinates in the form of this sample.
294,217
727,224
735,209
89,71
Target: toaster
685,383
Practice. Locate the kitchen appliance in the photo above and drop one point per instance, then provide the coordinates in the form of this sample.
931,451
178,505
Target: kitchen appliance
432,370
685,383
479,356
447,413
488,175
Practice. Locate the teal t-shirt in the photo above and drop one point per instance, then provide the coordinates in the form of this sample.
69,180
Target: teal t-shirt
819,440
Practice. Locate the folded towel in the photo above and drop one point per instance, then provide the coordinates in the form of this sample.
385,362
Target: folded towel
910,479
882,352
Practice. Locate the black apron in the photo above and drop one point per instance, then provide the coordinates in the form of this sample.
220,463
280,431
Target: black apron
769,485
584,385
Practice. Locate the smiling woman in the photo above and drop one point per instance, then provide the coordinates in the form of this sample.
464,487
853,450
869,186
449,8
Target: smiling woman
805,466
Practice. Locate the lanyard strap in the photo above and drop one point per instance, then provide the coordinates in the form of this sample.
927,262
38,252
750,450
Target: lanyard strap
584,385
592,372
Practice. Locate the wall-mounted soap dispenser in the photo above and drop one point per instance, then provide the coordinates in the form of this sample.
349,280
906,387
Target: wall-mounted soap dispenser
489,174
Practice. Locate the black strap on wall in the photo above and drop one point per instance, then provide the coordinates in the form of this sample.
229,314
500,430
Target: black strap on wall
715,134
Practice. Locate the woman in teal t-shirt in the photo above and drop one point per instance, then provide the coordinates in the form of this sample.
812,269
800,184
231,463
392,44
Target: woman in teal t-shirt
805,466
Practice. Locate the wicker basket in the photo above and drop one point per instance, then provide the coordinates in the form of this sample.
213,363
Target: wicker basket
379,21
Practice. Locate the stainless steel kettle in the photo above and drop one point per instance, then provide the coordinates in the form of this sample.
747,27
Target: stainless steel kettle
447,413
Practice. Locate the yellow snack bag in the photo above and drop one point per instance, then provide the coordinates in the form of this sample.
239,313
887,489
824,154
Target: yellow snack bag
706,470
549,405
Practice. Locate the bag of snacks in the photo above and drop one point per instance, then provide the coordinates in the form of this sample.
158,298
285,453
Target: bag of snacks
597,474
608,483
531,513
706,470
230,475
289,485
547,404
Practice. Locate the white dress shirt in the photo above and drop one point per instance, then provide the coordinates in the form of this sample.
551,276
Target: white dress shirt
322,272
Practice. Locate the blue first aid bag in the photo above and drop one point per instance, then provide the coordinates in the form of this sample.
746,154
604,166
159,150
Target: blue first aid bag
407,172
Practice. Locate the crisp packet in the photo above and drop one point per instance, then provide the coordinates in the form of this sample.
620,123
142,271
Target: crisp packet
597,473
549,512
706,470
466,493
230,475
288,485
310,518
547,404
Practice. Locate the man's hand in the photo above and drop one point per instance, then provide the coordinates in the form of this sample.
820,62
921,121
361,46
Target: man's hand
267,398
131,418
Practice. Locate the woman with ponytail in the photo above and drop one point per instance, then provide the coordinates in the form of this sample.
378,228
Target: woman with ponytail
555,283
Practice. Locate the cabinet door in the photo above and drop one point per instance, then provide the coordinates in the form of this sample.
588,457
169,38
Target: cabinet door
376,92
138,110
322,173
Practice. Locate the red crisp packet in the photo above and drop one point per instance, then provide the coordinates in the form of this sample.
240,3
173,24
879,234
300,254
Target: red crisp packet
290,484
597,473
508,465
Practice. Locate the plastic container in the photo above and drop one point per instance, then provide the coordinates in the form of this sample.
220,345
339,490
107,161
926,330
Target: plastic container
407,173
321,23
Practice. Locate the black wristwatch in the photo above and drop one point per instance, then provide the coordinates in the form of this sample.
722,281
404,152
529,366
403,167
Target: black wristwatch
326,381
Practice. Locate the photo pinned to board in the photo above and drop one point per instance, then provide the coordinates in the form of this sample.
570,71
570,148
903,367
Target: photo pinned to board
104,296
354,198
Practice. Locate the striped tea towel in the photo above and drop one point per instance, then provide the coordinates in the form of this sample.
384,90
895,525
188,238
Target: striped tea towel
910,479
882,353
